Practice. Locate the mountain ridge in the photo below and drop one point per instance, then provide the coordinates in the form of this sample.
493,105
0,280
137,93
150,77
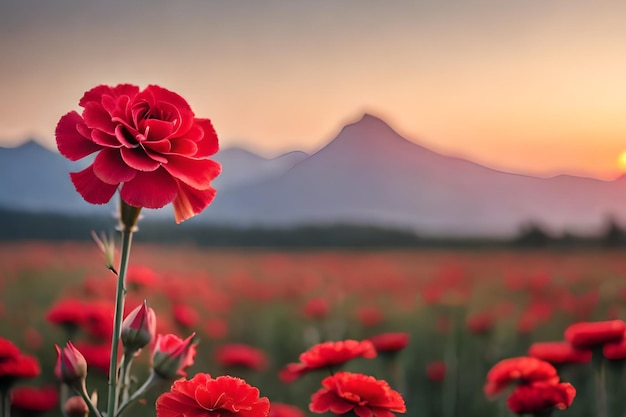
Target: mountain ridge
368,173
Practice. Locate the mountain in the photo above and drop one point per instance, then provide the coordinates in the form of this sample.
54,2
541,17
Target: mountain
241,167
34,178
367,174
371,174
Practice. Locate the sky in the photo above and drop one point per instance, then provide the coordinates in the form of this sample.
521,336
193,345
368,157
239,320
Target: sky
530,86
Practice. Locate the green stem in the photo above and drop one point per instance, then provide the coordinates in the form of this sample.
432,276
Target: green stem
599,382
83,393
127,234
123,388
5,400
153,381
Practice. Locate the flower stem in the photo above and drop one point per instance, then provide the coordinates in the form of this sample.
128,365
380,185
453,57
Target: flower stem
83,393
5,403
127,234
599,382
152,382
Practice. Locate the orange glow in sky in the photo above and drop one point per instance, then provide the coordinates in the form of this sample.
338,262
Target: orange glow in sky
524,86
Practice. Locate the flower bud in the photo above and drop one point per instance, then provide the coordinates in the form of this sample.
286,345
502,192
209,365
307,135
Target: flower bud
138,328
71,366
172,355
76,407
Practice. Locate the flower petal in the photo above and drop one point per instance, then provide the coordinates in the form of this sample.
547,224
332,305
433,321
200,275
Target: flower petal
137,158
98,118
208,144
70,142
196,173
185,147
92,188
150,189
190,202
158,129
110,167
104,139
96,93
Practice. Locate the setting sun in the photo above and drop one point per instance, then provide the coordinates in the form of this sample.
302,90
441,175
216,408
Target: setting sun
622,161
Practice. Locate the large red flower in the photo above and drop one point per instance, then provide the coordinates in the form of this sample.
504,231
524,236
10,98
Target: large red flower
540,397
327,355
523,369
362,394
225,396
585,335
149,144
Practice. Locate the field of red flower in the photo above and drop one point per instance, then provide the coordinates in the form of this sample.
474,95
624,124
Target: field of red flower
451,315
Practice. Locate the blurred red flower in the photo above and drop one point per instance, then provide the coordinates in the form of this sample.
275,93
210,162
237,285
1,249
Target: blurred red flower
34,398
18,367
185,315
370,316
139,276
585,335
67,312
8,349
541,397
241,355
523,369
285,410
390,341
316,308
97,356
614,351
480,323
362,394
149,142
216,328
98,319
223,396
327,355
559,352
436,371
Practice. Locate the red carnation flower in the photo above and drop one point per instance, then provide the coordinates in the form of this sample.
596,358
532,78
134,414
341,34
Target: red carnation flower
68,312
436,371
18,367
522,369
390,341
540,397
316,308
236,354
98,357
224,396
480,323
615,351
35,399
327,355
586,335
362,394
185,315
559,352
171,355
8,349
285,410
149,144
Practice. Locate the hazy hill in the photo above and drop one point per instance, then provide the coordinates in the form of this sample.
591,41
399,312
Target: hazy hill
370,174
367,174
